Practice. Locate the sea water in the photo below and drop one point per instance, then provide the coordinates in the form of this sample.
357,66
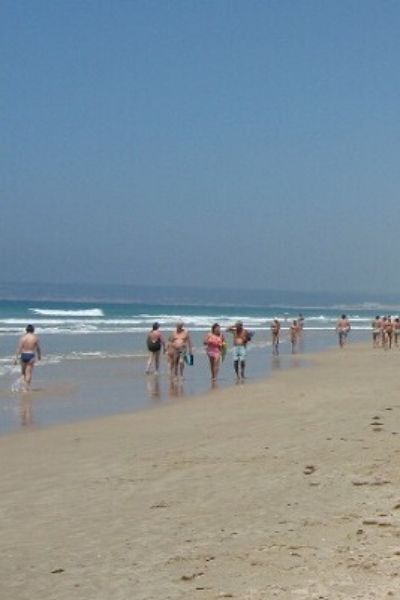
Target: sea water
94,352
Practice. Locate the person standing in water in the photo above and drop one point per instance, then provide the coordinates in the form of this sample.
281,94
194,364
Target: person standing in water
396,331
388,333
214,343
342,328
275,332
155,343
27,350
300,322
376,331
294,333
180,346
241,338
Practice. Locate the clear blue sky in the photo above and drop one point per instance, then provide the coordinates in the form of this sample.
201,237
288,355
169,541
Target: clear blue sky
201,143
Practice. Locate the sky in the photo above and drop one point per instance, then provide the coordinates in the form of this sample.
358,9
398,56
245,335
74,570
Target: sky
201,143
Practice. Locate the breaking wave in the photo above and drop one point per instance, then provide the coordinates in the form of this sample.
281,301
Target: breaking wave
49,312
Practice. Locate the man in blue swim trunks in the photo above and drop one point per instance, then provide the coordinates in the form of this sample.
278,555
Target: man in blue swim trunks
28,349
241,337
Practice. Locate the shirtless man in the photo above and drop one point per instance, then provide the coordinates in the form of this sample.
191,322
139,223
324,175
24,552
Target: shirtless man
27,350
376,331
383,333
396,331
180,345
294,333
388,333
275,331
342,328
241,338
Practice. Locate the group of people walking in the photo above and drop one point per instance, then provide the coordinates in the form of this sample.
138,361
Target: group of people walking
385,332
179,348
295,331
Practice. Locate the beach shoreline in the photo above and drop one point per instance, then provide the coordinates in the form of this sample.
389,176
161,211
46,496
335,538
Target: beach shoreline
214,389
286,488
76,390
94,354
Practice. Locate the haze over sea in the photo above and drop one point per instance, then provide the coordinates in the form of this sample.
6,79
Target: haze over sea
93,340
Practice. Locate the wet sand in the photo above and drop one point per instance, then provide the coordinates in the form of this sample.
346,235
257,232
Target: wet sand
284,488
74,390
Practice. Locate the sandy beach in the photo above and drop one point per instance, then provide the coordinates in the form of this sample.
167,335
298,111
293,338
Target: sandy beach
284,488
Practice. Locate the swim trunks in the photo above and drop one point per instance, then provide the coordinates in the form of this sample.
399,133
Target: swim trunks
27,357
180,353
239,353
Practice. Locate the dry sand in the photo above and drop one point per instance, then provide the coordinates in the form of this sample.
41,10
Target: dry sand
287,488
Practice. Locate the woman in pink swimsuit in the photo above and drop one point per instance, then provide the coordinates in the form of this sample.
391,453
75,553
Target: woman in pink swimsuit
214,342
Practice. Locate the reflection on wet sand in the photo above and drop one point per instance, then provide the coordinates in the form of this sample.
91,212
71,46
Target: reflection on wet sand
276,363
153,387
176,389
295,361
87,389
25,409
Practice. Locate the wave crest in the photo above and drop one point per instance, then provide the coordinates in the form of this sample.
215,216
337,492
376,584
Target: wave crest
49,312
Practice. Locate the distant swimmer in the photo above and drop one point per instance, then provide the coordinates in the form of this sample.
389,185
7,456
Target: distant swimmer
275,328
180,348
214,343
294,333
241,337
300,322
155,343
342,328
27,350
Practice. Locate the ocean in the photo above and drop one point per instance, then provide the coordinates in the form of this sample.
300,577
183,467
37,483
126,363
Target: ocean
94,352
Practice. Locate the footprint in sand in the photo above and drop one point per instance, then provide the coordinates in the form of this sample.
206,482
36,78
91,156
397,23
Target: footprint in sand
381,522
376,423
160,505
309,469
191,577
